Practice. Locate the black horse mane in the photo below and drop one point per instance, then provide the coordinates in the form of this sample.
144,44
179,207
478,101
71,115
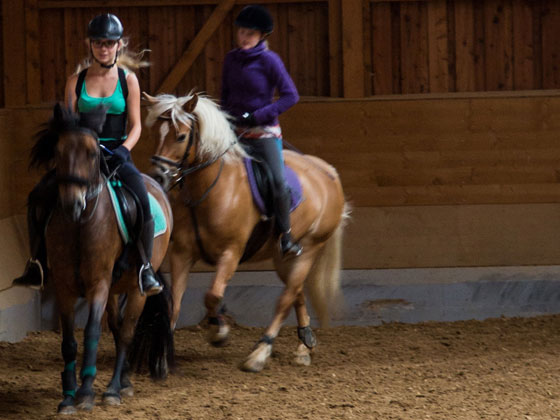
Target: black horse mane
63,120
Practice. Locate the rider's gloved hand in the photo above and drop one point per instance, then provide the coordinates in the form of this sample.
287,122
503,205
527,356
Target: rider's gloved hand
120,155
246,120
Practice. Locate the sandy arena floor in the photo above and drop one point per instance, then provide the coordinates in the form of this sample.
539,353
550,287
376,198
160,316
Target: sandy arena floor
496,369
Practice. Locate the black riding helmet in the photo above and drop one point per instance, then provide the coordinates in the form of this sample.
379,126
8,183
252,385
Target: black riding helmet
255,17
106,26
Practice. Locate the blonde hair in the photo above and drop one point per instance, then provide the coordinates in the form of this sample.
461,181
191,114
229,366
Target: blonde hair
131,61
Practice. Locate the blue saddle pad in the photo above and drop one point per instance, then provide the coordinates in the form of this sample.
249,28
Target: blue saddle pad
291,178
160,223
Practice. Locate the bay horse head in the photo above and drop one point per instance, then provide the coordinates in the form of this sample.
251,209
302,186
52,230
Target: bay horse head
70,144
192,132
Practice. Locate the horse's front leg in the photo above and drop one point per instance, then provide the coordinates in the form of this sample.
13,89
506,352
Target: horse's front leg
219,329
293,273
85,397
69,351
181,264
124,332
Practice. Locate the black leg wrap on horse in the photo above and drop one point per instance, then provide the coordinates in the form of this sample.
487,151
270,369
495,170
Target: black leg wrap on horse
91,342
218,320
306,336
266,339
69,384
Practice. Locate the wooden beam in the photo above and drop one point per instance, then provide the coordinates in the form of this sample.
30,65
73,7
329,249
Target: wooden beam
353,48
335,48
58,4
32,49
196,46
13,27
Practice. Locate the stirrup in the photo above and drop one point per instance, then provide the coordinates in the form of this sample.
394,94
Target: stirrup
156,286
288,247
24,281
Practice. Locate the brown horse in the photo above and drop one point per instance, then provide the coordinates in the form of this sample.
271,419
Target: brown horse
83,243
216,219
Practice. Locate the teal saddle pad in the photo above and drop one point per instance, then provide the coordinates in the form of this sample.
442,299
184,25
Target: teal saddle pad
160,223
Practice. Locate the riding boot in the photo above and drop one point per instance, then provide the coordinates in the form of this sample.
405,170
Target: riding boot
35,269
288,246
148,281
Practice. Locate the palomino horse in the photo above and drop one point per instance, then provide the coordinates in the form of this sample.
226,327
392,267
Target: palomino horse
83,243
216,219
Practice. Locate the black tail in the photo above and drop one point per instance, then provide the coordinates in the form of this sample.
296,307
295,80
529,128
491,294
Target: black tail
153,338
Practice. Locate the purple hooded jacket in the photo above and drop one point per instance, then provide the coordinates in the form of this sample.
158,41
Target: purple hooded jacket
249,80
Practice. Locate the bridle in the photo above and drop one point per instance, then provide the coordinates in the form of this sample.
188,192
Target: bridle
181,170
93,189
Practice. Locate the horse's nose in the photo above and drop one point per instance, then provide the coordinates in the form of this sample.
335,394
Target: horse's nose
74,209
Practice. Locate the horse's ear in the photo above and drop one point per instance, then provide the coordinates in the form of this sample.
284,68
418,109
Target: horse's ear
149,98
58,112
95,119
191,104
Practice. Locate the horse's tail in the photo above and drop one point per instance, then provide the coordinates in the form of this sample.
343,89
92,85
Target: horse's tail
153,337
323,281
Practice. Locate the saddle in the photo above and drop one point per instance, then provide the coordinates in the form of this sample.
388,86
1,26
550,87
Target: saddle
260,181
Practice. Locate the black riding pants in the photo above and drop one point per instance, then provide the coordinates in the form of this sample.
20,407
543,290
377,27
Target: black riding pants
132,178
269,151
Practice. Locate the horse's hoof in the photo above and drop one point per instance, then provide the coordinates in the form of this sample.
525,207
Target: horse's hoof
218,337
67,406
303,356
257,359
252,366
222,342
85,402
303,359
127,392
110,398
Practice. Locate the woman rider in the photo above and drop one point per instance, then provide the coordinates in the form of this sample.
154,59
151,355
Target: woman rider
251,74
102,82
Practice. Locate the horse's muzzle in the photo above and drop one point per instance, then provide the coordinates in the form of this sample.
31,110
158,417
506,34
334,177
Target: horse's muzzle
74,210
73,207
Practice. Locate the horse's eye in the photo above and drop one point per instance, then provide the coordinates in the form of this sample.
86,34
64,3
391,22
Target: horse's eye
92,154
181,138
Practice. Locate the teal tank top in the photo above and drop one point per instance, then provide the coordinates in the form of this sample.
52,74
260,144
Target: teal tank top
116,103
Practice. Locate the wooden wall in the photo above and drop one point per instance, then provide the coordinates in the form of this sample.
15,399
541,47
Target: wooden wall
461,46
332,48
434,182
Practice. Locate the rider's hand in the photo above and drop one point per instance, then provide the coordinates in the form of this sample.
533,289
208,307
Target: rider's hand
247,120
120,155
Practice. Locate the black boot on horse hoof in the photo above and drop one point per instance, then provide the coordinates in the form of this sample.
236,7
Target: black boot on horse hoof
32,277
289,247
150,284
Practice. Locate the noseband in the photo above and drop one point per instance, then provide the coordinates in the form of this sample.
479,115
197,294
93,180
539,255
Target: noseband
163,163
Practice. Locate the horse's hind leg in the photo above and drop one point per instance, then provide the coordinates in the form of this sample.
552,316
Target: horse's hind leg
69,350
305,334
123,337
293,274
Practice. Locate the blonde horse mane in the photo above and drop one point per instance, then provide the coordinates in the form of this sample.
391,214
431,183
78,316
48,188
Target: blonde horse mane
216,135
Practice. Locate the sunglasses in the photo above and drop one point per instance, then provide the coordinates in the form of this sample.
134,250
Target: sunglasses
110,43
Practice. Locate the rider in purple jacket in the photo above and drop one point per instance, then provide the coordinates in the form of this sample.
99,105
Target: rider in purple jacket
251,75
